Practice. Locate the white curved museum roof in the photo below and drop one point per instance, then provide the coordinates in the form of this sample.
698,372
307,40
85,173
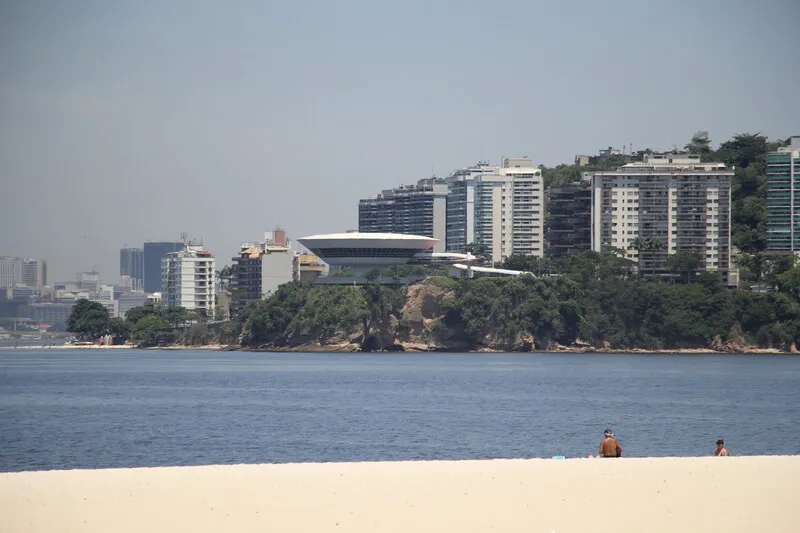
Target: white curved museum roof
353,235
358,240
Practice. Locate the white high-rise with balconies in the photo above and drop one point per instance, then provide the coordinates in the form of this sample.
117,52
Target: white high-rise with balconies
509,210
187,279
672,203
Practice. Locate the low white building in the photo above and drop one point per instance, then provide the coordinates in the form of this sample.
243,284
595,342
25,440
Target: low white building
187,279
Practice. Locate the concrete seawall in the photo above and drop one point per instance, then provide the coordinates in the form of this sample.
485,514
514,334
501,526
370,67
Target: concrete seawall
734,494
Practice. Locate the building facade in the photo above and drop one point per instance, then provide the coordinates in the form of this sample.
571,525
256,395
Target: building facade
419,209
129,300
460,224
89,281
131,264
568,229
260,268
10,271
152,254
509,210
668,203
188,280
783,198
34,274
306,267
30,273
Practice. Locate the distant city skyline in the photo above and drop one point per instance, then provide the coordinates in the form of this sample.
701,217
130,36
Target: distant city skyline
125,122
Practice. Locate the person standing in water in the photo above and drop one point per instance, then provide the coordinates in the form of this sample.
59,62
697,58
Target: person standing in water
609,446
721,451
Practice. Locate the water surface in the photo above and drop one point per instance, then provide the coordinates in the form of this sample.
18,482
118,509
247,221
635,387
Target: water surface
63,409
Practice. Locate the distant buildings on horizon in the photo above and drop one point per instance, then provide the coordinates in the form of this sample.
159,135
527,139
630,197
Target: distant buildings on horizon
17,273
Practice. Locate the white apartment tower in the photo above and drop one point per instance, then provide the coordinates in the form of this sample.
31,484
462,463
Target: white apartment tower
461,186
674,202
188,280
10,271
509,210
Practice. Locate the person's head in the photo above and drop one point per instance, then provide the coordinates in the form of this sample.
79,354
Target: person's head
720,443
608,433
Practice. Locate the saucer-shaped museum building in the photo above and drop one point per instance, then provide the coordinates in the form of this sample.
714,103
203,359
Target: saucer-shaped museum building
367,251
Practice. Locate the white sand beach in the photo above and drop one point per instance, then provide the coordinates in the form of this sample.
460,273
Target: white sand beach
734,494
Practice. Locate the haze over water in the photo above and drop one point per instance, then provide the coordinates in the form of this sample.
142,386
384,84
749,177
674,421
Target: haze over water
63,409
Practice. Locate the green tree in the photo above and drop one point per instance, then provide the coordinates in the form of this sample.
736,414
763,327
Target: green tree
134,314
684,263
650,252
478,249
700,145
178,316
560,175
119,329
152,330
225,276
744,150
88,320
789,281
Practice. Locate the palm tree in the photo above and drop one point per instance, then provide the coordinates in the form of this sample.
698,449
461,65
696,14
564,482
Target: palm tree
647,249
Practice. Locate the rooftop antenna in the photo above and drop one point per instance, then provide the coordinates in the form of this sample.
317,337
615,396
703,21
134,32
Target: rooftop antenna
184,238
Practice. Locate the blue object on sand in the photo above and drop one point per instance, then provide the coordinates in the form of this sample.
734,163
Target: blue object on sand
559,457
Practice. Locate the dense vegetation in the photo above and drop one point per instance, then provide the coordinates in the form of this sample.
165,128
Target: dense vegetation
593,299
148,325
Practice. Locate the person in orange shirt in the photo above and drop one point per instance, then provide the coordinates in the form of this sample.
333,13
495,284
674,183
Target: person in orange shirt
609,446
721,451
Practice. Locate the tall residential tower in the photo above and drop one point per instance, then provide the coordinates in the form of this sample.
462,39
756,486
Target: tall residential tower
509,210
187,279
667,204
412,210
783,198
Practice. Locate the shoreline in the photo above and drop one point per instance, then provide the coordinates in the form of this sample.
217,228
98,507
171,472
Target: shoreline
510,495
413,349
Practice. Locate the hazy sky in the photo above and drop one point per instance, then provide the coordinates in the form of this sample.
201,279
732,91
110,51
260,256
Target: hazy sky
122,122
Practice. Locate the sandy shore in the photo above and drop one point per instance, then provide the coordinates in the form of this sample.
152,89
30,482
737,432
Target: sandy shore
735,494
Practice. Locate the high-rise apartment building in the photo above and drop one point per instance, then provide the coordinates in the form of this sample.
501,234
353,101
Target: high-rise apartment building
413,210
509,210
783,198
131,264
672,203
568,229
460,225
10,271
153,253
187,280
19,271
34,274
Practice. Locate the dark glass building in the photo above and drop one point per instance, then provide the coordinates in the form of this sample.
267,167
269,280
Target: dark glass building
568,229
131,263
412,210
152,255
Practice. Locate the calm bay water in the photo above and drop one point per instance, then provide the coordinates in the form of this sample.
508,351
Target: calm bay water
62,409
